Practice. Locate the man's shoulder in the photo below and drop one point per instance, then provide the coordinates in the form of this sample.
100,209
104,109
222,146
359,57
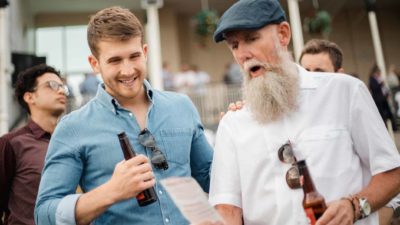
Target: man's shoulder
168,97
340,80
7,139
15,133
241,117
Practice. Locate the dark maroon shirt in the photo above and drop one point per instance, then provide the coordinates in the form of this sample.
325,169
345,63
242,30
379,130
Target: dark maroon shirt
22,154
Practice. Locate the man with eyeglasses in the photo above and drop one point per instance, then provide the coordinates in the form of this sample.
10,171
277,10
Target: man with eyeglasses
42,94
330,121
163,127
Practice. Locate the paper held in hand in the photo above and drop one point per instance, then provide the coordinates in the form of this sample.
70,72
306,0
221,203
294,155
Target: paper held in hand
190,199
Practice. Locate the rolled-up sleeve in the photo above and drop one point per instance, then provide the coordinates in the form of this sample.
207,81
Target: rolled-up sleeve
225,181
371,140
56,199
201,153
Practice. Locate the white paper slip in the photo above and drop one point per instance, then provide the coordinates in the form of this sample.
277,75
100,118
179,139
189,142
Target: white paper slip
190,199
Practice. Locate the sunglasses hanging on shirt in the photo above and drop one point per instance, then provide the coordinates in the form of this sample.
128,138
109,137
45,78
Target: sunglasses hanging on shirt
158,158
286,155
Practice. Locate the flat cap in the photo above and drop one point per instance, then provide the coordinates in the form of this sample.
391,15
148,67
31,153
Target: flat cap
249,14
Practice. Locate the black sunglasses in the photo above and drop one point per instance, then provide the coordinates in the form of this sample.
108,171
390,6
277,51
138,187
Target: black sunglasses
286,155
147,140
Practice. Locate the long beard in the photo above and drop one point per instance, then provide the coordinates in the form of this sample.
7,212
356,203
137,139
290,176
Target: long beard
273,95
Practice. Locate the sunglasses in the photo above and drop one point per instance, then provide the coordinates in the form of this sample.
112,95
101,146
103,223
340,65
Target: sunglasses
55,86
158,158
286,155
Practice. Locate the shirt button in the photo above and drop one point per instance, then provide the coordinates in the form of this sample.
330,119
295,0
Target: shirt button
160,192
167,220
130,114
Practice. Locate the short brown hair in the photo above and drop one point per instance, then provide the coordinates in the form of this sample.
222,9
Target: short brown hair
114,23
316,46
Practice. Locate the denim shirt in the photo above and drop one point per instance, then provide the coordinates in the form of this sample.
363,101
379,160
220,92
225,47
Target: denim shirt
84,150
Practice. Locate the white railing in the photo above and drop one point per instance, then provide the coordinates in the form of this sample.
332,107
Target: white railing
214,99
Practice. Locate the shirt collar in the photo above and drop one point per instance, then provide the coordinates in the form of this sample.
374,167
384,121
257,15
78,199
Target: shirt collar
37,131
306,80
112,104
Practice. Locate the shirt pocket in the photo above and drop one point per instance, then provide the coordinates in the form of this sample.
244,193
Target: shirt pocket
177,143
327,150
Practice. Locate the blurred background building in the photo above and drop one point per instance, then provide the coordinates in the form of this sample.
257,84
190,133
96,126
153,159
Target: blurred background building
54,31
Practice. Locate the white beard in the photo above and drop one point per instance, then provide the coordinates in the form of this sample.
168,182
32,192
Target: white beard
273,95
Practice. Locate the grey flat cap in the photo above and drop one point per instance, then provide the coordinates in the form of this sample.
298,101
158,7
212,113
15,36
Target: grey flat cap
249,14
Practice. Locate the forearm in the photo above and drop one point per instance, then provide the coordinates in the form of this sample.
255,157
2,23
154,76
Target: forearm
232,215
382,188
92,204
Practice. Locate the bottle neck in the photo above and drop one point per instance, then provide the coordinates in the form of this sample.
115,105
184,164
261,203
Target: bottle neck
308,184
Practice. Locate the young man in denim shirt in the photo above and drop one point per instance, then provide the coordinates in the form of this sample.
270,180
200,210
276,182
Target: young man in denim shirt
85,149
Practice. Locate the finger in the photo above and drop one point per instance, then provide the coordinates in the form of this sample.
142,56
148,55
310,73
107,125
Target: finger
140,169
146,184
147,176
328,215
137,160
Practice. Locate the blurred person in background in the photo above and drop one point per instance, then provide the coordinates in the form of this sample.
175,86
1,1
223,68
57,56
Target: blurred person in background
201,79
380,93
41,92
88,87
320,55
168,77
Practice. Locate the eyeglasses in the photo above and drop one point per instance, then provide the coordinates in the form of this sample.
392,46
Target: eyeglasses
55,86
286,155
147,140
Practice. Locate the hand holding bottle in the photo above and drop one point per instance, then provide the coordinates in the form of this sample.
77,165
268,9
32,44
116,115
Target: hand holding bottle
131,177
339,212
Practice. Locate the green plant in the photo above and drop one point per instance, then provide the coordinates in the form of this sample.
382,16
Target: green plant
320,24
205,24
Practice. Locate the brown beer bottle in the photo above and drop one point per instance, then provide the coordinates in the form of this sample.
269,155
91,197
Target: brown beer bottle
313,202
147,196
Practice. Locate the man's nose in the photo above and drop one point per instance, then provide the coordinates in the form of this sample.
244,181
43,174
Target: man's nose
243,54
127,68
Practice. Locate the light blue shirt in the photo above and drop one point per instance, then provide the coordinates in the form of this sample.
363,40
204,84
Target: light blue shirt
84,150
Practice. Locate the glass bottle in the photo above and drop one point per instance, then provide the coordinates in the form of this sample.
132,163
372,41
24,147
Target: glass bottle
313,202
147,196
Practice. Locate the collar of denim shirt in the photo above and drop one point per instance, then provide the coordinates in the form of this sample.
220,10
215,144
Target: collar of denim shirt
108,101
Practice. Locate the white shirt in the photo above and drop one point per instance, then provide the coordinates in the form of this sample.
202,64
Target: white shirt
337,130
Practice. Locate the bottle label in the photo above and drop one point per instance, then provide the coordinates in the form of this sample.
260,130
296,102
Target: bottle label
310,216
140,196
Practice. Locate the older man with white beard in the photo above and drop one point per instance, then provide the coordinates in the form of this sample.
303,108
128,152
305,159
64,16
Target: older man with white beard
329,120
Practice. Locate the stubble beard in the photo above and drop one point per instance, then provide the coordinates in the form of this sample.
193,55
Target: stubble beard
273,95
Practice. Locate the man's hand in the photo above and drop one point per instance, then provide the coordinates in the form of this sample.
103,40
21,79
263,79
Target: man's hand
131,177
233,107
339,212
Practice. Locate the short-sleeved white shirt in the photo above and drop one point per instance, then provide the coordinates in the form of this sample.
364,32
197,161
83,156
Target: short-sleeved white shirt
337,130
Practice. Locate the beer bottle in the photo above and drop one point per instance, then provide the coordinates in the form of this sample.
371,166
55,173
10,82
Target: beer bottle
147,196
313,202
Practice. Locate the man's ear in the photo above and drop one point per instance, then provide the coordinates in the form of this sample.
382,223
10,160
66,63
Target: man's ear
28,98
94,63
340,70
145,50
284,34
